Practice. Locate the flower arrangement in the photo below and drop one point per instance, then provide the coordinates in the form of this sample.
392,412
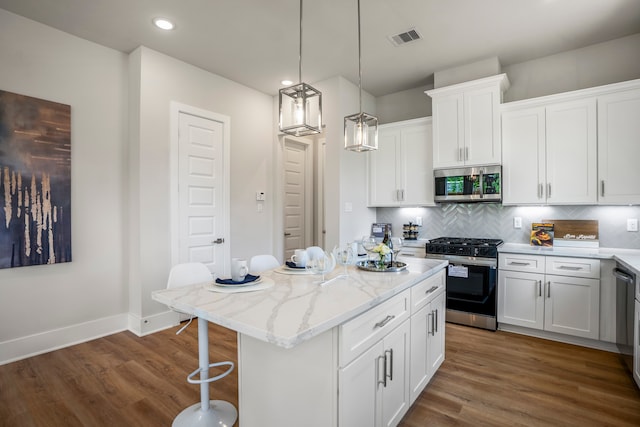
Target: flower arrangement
382,250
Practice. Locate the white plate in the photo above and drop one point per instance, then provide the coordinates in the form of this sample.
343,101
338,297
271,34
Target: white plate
237,285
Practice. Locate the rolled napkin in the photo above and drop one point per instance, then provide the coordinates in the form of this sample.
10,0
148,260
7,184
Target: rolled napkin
248,278
292,264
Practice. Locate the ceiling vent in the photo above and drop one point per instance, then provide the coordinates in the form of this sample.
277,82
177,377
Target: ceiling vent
404,38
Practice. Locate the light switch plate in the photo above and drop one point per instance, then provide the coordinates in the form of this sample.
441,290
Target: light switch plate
632,224
517,222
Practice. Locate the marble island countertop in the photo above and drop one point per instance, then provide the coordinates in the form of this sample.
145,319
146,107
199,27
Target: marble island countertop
297,308
628,257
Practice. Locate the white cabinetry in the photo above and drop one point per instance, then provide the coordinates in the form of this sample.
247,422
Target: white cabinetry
400,171
555,294
374,365
466,122
550,153
427,331
636,343
618,147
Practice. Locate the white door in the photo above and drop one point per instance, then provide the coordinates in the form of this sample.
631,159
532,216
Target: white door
297,197
520,299
201,217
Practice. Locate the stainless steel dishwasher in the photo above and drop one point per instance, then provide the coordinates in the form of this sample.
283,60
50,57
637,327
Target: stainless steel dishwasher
625,308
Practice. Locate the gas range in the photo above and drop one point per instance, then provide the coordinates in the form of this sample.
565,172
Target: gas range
462,246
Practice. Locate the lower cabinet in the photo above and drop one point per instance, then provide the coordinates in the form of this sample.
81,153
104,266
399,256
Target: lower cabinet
636,344
427,343
374,388
566,302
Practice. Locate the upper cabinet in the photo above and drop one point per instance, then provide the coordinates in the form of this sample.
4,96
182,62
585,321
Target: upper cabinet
466,122
619,147
578,147
400,172
549,153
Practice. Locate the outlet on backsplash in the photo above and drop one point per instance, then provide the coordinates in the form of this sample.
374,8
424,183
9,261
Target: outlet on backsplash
517,222
632,224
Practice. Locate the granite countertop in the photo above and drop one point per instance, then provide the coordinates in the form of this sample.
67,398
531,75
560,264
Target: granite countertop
296,309
628,257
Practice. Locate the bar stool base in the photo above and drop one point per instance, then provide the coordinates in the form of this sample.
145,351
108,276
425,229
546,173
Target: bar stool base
219,414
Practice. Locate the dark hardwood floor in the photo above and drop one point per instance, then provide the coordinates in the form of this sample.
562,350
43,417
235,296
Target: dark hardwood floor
488,379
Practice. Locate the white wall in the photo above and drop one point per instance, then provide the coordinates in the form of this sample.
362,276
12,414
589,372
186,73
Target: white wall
600,64
52,305
162,79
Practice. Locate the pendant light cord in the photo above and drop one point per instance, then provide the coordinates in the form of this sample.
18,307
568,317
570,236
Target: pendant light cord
300,53
359,59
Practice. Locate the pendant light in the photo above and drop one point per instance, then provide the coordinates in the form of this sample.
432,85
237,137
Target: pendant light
300,104
360,130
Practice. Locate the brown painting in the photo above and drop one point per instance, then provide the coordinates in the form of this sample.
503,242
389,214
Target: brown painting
35,181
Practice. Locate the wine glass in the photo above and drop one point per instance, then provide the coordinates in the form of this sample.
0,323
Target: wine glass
319,265
344,256
397,245
368,243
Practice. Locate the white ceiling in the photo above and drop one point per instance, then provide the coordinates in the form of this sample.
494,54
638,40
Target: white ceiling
255,42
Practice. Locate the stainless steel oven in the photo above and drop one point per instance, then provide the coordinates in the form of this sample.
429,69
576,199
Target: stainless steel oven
472,277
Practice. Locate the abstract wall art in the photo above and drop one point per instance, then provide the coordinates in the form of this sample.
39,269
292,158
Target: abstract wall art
35,181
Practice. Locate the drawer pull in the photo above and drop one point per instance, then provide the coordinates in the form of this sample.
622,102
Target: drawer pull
432,289
384,321
518,263
569,267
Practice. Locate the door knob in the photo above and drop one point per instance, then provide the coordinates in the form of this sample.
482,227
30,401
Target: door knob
218,241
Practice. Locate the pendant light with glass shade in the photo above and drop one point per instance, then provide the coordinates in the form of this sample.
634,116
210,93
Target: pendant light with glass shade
361,129
301,104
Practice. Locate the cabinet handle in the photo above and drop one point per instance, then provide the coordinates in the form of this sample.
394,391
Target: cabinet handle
539,288
430,323
518,263
549,289
384,321
382,381
435,323
466,153
539,191
390,362
602,188
432,289
569,267
548,190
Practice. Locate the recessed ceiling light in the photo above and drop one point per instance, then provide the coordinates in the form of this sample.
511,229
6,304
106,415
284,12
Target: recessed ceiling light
163,24
287,82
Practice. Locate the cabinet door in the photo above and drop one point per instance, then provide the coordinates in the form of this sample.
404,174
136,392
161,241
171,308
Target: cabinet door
523,156
618,148
572,306
448,131
482,126
436,339
416,170
636,344
571,152
383,186
520,299
358,396
395,394
419,368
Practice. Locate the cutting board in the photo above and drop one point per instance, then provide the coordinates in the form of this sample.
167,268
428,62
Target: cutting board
575,232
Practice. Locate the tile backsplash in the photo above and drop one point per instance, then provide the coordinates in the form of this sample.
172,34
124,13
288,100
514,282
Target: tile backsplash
493,220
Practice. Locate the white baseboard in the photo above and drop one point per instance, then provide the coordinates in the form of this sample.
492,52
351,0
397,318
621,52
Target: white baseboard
142,326
44,342
567,339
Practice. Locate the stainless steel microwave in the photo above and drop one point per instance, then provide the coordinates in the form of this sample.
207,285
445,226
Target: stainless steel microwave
472,184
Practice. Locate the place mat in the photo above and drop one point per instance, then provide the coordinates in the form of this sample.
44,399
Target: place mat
265,283
283,269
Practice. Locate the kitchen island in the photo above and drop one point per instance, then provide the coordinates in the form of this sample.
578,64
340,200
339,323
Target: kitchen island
292,341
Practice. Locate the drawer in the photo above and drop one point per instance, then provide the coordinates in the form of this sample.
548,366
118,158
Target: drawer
360,333
414,252
575,267
520,262
424,292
